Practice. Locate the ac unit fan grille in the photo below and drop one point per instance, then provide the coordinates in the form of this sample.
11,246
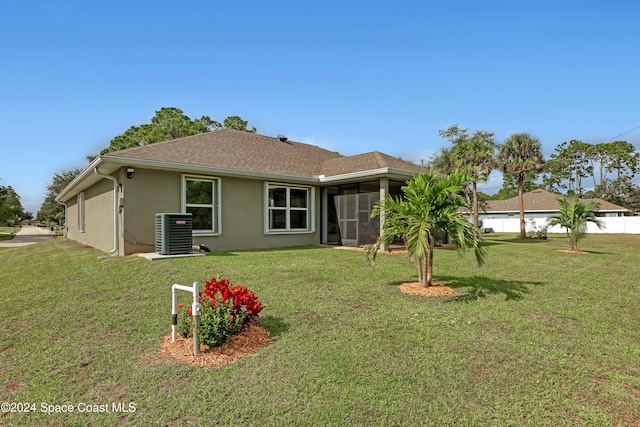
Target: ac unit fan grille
174,233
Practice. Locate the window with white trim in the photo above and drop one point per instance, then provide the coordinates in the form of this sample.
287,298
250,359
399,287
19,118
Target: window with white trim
200,198
81,212
288,209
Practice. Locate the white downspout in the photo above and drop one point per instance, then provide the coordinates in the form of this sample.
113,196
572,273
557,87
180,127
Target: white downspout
115,210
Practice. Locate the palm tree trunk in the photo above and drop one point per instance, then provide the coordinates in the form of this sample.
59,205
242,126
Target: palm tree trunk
430,267
474,188
425,269
422,276
523,231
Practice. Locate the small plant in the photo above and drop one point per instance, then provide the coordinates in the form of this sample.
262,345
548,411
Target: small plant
532,228
225,309
541,234
536,232
574,215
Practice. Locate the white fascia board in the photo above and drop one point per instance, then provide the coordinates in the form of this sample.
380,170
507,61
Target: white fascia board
365,174
208,170
79,178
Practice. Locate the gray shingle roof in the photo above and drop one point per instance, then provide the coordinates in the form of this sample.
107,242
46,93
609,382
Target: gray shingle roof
367,161
250,152
235,150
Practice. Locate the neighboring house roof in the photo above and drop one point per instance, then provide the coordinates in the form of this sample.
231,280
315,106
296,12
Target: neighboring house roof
241,153
542,200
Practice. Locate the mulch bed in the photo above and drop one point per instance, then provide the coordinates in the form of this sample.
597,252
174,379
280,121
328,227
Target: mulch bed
244,344
573,252
436,290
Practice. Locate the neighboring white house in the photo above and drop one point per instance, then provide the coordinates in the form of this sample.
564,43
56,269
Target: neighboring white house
504,215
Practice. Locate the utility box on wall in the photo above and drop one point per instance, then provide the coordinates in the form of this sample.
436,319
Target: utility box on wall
173,233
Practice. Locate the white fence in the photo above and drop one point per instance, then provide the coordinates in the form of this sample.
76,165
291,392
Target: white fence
613,225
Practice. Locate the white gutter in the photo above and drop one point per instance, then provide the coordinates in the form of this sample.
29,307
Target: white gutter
115,210
365,174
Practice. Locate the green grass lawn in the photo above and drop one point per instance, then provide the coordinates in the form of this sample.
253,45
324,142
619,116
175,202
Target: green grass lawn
535,337
6,233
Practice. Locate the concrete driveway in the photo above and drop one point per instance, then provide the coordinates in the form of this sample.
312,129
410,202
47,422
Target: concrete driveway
28,235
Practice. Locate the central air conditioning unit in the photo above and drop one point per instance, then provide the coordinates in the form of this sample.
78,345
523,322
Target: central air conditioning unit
173,233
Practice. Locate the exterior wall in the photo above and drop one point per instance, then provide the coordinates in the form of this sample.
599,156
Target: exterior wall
148,192
98,224
609,214
613,225
243,217
242,213
506,215
539,214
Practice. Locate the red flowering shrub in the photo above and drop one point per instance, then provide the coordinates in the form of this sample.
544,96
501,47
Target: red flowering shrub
224,310
240,295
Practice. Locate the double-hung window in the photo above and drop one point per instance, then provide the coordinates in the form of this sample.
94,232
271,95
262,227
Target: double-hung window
289,209
201,198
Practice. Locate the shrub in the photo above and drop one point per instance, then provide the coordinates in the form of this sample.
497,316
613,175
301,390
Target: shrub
224,310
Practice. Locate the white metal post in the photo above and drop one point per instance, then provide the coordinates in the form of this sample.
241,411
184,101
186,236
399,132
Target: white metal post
195,312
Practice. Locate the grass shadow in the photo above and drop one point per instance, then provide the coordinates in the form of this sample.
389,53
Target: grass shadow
274,325
395,284
528,240
453,248
481,287
220,253
485,242
596,252
215,252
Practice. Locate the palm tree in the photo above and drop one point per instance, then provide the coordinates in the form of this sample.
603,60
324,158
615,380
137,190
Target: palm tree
520,155
475,157
430,204
573,215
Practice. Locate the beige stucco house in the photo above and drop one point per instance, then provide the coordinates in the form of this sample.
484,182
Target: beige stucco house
244,191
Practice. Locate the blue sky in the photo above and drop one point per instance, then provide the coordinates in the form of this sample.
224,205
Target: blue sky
350,76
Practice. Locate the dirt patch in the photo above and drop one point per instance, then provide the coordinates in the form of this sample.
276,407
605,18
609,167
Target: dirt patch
635,391
245,343
573,252
12,386
436,290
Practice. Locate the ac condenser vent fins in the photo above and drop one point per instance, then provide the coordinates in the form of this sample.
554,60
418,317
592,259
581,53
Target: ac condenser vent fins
173,233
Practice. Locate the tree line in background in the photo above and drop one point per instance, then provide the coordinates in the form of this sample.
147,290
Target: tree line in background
11,210
607,169
172,123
